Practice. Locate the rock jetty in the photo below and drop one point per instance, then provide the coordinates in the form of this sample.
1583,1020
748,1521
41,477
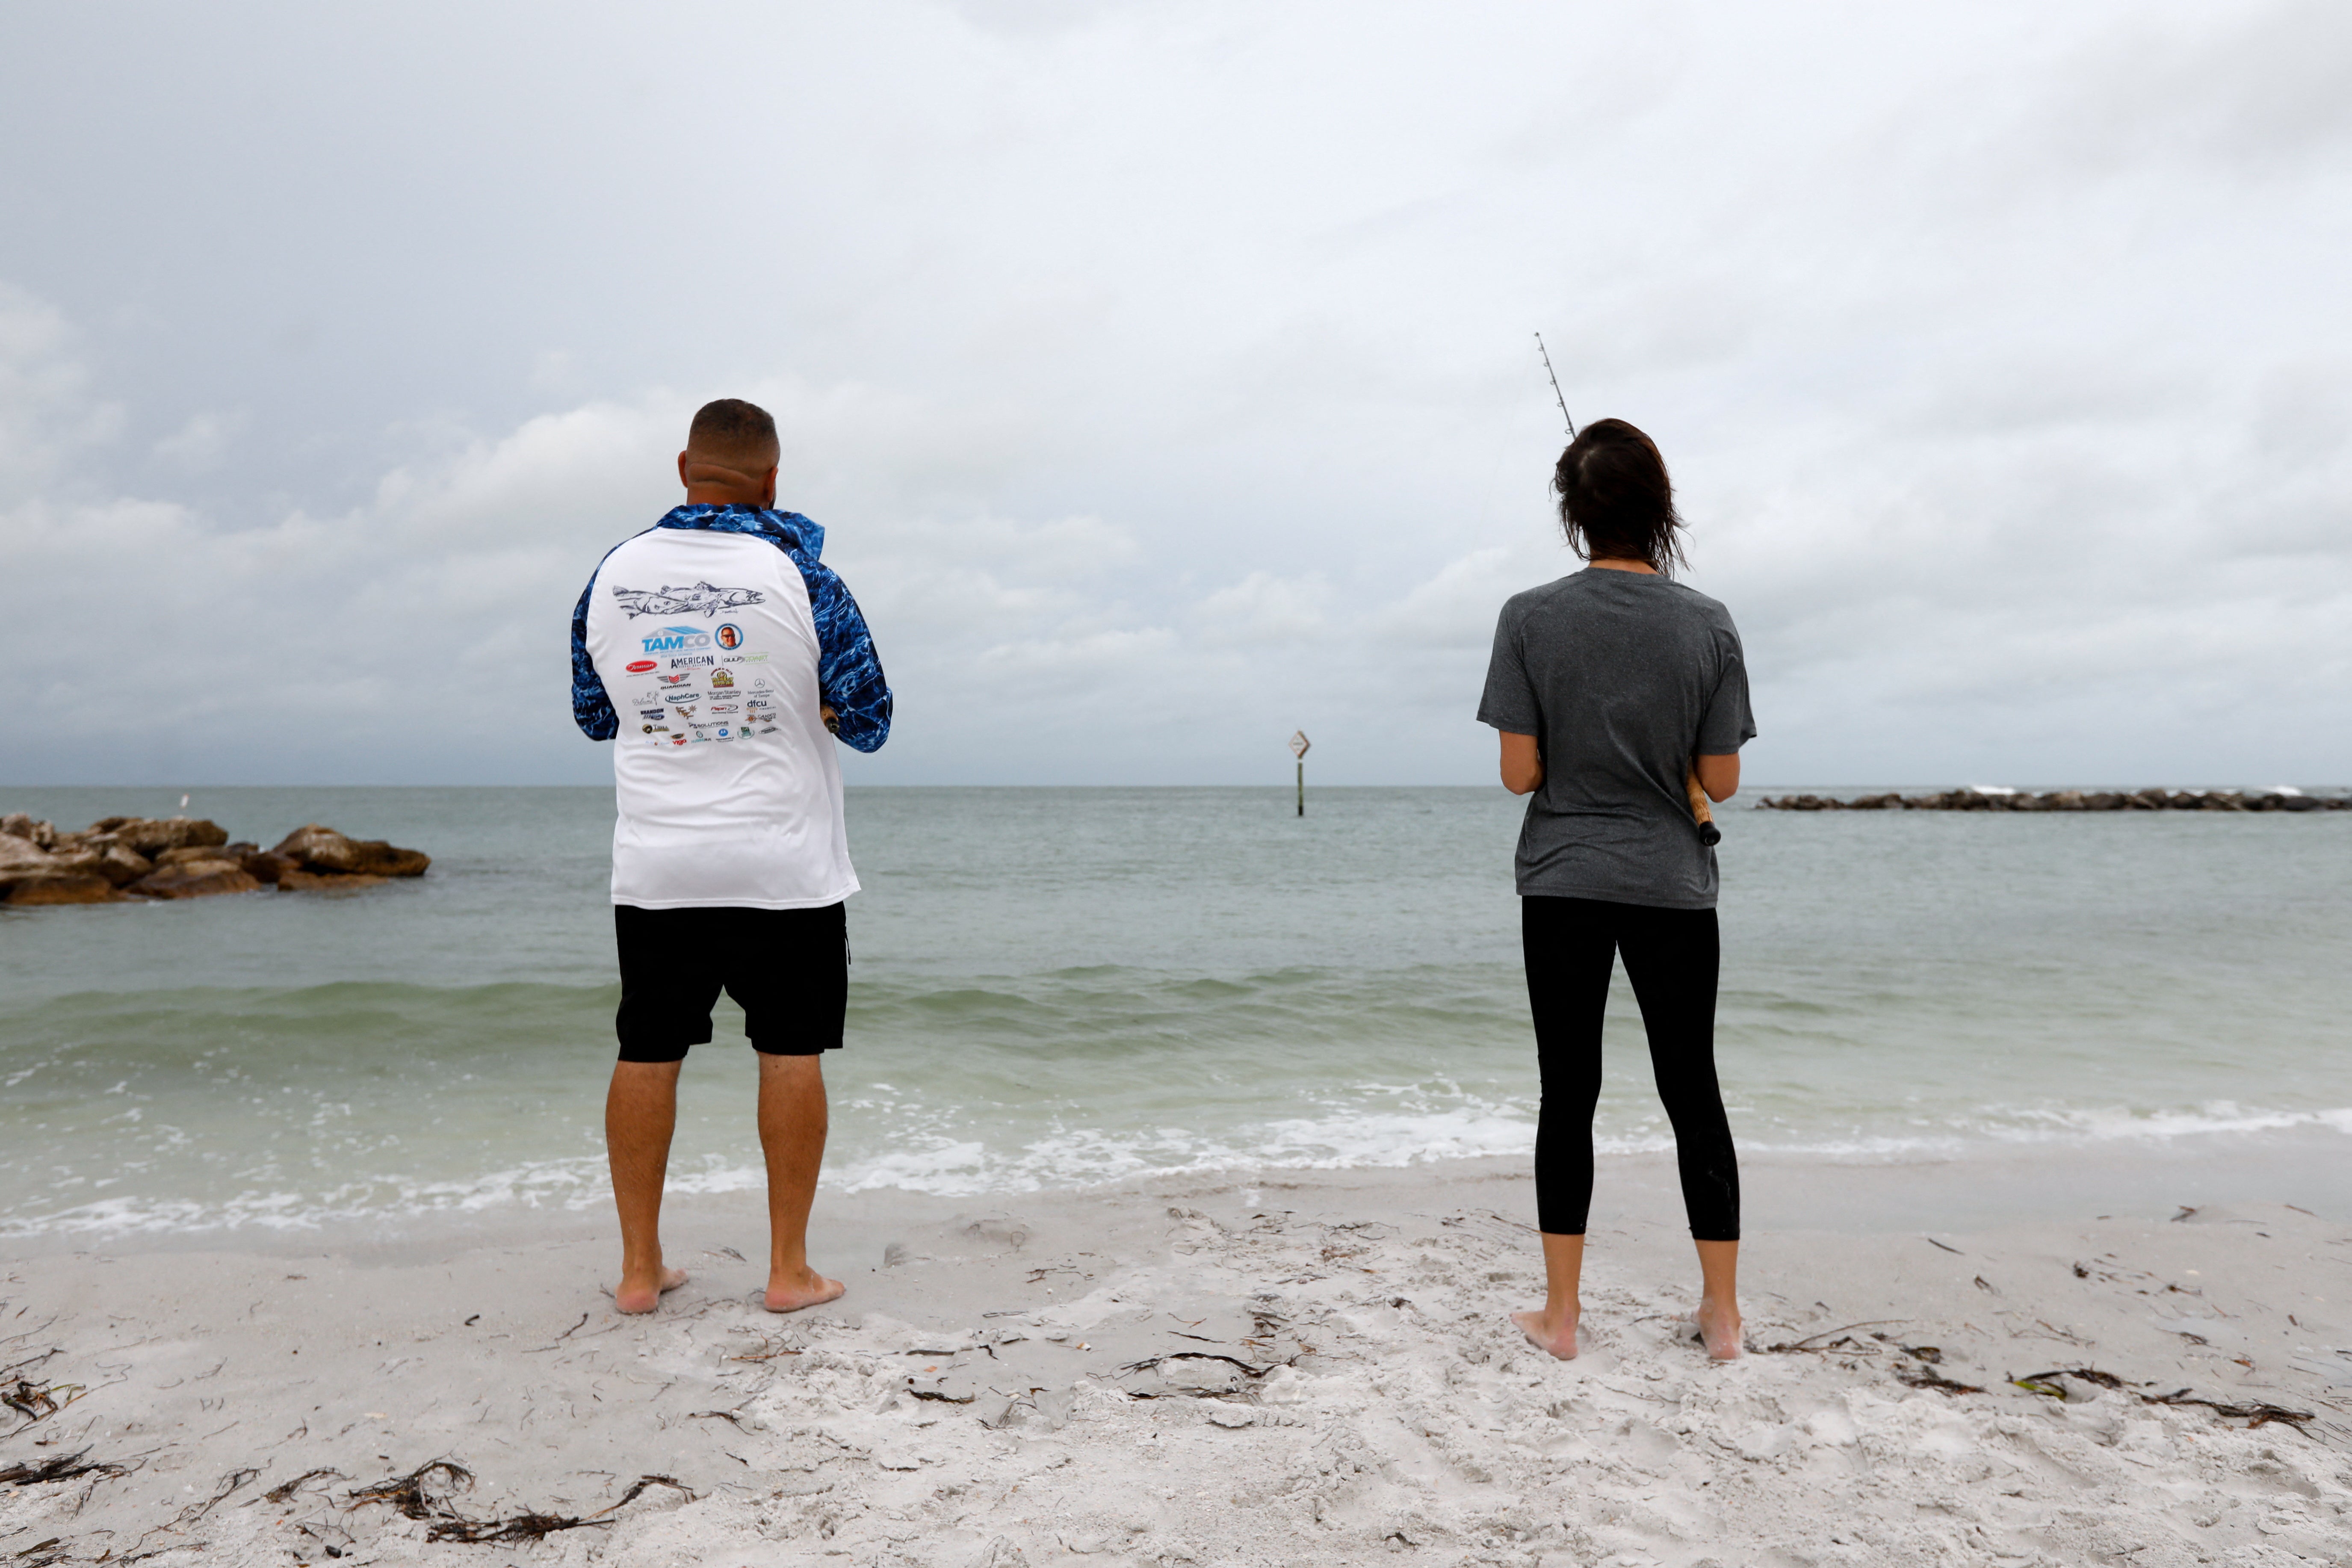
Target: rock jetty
2063,800
119,858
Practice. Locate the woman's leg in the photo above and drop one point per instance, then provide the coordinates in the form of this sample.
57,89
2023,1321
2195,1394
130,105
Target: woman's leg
1671,956
1569,951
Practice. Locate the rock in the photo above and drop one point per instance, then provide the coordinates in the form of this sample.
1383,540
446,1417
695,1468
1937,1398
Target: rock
121,867
2300,803
317,848
263,867
194,879
295,881
20,824
152,837
18,853
60,887
193,852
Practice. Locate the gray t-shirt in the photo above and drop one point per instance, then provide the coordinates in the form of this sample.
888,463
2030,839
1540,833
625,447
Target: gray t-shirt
1622,677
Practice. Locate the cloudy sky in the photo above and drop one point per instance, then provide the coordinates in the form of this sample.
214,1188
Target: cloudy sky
1163,375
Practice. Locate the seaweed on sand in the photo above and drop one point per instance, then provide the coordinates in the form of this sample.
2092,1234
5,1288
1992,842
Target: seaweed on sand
34,1402
56,1467
284,1491
414,1495
1929,1377
407,1493
2257,1414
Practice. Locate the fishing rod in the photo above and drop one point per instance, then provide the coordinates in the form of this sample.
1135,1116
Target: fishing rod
1701,812
1555,386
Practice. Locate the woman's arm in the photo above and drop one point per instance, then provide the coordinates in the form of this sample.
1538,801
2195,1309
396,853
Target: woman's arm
1719,776
1523,765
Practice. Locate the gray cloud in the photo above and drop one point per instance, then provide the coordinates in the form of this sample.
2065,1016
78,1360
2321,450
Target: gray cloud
1162,373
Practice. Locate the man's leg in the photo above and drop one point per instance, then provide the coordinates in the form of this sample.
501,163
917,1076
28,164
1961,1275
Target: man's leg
640,1114
792,1136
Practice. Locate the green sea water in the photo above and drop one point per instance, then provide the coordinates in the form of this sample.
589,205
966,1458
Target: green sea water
1060,987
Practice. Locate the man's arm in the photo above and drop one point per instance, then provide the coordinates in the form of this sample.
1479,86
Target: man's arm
848,671
591,706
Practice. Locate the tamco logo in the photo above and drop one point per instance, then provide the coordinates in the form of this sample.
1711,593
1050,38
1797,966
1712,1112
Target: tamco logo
670,640
639,666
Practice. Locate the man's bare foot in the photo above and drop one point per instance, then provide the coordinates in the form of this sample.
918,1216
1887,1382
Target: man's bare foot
640,1296
1552,1337
790,1293
1718,1329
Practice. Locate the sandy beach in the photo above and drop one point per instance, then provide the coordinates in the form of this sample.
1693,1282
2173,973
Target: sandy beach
1310,1370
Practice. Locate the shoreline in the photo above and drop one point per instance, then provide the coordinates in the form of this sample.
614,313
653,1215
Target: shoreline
1312,1368
2308,1165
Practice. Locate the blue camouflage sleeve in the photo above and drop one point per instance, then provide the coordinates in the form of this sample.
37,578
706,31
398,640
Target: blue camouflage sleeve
848,671
591,706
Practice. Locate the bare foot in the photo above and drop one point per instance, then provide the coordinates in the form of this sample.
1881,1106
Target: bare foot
1718,1329
1553,1338
636,1296
790,1293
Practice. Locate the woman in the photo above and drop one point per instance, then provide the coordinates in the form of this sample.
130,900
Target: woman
1611,687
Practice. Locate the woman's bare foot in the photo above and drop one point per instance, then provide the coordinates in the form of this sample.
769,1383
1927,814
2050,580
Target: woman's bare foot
1553,1338
790,1292
644,1295
1718,1329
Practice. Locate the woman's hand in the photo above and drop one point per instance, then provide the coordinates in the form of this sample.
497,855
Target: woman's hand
1523,763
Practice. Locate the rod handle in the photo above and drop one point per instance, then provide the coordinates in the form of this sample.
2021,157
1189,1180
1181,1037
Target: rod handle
1708,833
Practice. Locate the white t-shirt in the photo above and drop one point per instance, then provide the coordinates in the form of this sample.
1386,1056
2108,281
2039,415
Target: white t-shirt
729,787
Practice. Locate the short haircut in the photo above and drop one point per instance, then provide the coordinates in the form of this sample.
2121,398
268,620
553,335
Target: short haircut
731,427
1615,499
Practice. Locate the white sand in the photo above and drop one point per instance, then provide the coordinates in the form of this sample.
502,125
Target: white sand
1402,1418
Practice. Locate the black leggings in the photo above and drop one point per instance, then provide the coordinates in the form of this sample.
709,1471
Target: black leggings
1670,957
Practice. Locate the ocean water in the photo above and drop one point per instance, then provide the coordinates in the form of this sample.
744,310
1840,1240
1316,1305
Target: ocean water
1054,987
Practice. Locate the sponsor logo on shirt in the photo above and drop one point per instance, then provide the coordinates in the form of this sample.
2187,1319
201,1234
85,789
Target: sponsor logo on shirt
651,712
657,728
702,599
691,661
725,707
674,679
720,677
670,640
767,728
758,702
722,732
730,635
639,666
677,740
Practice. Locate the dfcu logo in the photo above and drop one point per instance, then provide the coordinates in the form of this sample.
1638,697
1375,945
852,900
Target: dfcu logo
670,639
639,666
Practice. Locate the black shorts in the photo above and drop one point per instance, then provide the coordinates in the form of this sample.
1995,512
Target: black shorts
787,969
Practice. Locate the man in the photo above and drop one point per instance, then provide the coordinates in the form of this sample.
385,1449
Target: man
716,653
